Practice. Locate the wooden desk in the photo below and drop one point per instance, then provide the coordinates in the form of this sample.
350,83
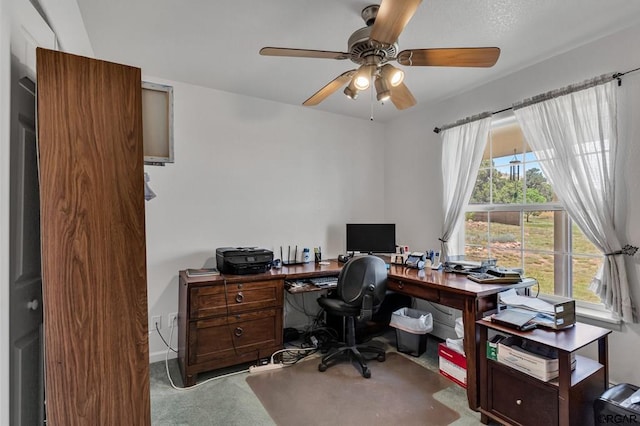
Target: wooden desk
455,291
448,289
452,290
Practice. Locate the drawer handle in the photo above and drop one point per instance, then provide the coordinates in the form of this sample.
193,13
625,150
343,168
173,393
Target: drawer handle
400,285
238,331
518,402
239,297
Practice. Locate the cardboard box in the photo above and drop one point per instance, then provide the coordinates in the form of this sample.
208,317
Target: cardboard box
453,365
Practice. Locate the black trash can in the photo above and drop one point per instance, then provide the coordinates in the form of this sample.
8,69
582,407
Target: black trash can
616,406
411,327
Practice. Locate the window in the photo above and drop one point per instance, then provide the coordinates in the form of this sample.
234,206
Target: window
515,217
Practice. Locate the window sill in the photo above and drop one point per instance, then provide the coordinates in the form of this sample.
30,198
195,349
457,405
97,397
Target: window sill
598,317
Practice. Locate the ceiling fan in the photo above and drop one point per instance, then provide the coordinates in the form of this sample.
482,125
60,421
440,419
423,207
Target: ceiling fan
375,45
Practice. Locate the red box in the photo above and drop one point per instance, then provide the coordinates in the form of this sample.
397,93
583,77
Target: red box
453,365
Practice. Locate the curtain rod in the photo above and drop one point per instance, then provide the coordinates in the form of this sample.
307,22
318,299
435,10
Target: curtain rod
616,76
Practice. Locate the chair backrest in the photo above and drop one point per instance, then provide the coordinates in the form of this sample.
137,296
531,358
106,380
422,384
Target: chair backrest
363,276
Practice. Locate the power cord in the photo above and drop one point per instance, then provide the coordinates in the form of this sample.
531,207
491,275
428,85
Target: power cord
537,284
164,341
287,362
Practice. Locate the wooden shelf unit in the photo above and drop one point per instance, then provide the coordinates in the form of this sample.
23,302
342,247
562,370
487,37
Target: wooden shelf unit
512,397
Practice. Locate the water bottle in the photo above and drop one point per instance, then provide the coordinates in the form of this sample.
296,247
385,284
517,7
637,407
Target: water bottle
306,255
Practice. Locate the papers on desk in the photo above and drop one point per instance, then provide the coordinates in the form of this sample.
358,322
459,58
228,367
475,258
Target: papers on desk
512,298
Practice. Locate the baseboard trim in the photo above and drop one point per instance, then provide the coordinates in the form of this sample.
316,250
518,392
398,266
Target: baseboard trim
161,356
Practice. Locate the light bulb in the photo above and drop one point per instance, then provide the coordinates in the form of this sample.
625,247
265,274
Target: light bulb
361,82
393,75
362,79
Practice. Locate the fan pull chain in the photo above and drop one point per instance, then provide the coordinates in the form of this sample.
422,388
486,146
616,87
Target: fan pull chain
371,92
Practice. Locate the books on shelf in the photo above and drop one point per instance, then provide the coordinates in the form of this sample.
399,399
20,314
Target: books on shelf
202,272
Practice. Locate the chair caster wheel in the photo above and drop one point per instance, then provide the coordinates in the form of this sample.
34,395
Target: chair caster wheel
366,373
381,358
322,367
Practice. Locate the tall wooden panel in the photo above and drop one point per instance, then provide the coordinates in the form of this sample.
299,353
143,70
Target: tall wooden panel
93,241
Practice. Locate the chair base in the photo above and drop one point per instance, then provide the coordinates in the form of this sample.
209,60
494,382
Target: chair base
353,353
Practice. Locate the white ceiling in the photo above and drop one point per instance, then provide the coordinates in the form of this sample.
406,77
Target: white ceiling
215,43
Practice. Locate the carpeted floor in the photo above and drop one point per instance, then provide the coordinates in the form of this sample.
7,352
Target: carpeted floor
232,401
399,391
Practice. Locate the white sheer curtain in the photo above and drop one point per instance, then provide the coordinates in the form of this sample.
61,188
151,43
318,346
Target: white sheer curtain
462,149
573,132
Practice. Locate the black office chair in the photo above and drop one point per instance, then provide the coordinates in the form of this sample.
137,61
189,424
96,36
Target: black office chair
361,289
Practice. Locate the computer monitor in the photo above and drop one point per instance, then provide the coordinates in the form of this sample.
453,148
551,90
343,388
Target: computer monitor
371,237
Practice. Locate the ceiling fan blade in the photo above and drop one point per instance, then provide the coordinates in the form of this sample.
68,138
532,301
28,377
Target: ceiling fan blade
402,97
453,57
391,19
302,53
331,87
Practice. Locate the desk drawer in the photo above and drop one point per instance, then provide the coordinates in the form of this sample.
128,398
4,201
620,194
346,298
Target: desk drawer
413,289
225,337
221,299
520,398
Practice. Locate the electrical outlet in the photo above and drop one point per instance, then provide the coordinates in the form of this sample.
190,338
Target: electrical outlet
173,320
156,319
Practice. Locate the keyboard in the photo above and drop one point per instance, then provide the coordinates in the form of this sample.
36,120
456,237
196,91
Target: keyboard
324,281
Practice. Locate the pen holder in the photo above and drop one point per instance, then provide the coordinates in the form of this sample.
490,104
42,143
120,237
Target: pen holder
317,256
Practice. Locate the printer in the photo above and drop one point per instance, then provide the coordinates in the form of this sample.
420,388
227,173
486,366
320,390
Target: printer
243,260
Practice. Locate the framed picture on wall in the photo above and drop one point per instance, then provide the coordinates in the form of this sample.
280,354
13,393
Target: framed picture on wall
157,123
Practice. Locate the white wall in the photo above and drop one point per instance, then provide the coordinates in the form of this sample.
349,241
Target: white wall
412,136
250,172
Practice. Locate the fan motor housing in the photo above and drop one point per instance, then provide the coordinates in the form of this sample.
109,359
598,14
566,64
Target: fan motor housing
363,50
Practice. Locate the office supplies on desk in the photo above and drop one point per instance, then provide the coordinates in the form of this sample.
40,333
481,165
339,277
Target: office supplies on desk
488,278
416,260
401,255
202,272
294,284
515,319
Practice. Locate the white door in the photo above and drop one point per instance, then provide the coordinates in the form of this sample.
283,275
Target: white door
26,384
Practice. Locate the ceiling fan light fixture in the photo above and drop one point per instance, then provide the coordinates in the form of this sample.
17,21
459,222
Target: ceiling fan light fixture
351,91
362,79
392,75
382,90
